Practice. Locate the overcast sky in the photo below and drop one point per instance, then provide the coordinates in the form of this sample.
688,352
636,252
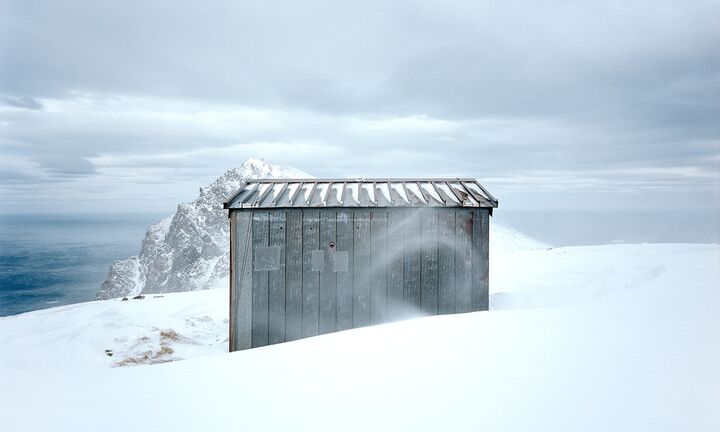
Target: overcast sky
131,106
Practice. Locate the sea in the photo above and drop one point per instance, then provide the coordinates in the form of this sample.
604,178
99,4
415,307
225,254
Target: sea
49,260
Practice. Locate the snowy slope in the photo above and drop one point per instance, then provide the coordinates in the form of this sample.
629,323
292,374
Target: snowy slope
168,327
506,240
188,251
75,337
580,274
634,348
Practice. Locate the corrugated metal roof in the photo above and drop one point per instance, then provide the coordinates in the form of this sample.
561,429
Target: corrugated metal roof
284,193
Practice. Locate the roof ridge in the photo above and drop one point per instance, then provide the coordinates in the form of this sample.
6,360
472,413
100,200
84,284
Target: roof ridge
358,179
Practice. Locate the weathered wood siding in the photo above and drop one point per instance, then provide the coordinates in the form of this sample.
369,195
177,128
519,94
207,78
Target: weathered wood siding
302,272
241,281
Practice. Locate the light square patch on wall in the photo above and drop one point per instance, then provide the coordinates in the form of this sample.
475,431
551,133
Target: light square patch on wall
341,261
266,258
317,260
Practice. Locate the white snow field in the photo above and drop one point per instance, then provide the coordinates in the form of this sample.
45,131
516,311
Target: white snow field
596,338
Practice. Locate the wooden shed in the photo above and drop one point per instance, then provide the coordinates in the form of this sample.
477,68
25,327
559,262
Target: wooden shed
313,256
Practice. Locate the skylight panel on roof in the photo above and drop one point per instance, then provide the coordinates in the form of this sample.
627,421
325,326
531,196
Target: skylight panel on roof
306,189
262,188
445,189
414,189
385,190
292,189
430,190
473,187
276,191
354,192
249,189
400,190
338,191
322,188
370,190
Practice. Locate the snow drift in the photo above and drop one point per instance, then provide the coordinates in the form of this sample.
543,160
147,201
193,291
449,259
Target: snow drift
641,355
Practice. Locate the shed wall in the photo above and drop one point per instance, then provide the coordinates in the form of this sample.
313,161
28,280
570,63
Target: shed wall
303,272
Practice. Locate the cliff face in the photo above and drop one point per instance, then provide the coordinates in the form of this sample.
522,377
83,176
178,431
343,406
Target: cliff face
190,250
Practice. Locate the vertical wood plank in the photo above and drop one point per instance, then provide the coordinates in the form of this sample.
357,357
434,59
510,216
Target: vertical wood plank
485,289
480,261
463,261
232,308
327,297
429,276
260,232
361,275
395,260
241,309
310,278
276,280
293,275
344,279
378,266
412,263
446,261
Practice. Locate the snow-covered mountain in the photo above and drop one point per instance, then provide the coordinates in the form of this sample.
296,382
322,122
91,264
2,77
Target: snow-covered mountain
188,251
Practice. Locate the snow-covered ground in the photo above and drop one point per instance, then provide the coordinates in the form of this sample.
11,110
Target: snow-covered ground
613,337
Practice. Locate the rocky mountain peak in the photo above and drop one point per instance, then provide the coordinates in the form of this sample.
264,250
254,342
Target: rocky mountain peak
189,250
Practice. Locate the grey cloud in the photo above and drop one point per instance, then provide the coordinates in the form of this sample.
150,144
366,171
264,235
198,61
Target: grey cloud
22,102
324,55
60,165
151,91
12,176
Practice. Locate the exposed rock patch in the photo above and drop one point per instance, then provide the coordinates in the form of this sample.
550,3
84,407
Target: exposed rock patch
188,251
